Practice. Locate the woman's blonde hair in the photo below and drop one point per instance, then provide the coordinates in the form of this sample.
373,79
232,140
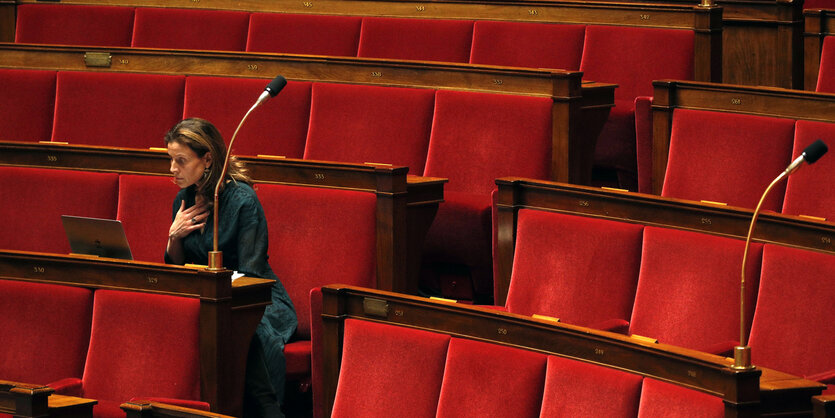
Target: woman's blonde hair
202,137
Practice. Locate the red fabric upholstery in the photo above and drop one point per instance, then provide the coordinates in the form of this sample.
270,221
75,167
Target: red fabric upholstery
221,30
297,354
316,368
581,270
66,24
578,389
143,345
278,127
304,34
355,123
818,4
145,211
376,359
727,157
33,223
661,399
826,74
45,330
27,104
416,39
793,326
119,110
643,142
632,58
511,386
809,190
523,44
688,290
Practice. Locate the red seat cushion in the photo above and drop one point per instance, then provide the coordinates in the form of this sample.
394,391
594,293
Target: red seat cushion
297,354
66,24
45,331
793,320
575,389
359,124
304,34
727,157
688,289
27,104
416,39
826,74
48,194
278,127
524,44
116,109
805,189
510,387
220,30
559,268
375,360
145,212
661,399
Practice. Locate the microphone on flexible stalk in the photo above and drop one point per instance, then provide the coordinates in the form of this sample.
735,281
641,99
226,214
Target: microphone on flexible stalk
273,88
742,353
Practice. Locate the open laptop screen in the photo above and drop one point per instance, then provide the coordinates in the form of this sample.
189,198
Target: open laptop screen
94,236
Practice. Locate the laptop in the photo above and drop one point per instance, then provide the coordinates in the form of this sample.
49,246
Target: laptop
94,236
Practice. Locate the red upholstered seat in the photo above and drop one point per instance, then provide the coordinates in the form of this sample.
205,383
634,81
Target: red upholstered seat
661,399
278,127
145,211
304,34
45,331
476,138
387,371
416,39
826,74
632,58
65,24
523,44
809,190
489,380
793,326
578,389
581,270
220,30
142,345
355,123
27,104
727,157
317,237
36,198
688,289
116,109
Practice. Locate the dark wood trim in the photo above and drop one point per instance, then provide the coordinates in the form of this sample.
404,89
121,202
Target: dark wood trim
8,11
24,400
149,409
741,390
824,406
761,101
818,25
518,193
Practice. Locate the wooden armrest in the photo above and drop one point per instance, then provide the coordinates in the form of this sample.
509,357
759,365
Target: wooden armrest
823,406
148,409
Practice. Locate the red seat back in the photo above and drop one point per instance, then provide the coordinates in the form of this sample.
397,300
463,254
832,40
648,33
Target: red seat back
116,109
808,190
581,270
143,345
575,389
727,157
38,197
359,124
288,33
27,105
278,127
145,212
66,24
826,73
220,30
661,399
45,331
524,44
416,39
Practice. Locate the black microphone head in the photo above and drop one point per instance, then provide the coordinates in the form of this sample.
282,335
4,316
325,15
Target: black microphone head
814,151
276,85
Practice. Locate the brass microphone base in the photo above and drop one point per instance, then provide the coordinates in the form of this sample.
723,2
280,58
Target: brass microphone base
215,261
742,358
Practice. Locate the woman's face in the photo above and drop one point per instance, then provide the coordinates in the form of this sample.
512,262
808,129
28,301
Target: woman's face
186,166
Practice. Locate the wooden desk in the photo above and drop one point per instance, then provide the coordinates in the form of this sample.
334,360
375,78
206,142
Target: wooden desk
26,400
